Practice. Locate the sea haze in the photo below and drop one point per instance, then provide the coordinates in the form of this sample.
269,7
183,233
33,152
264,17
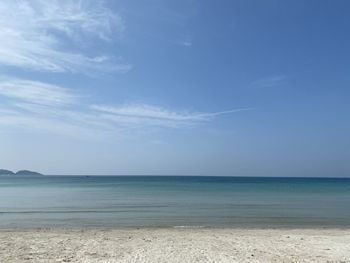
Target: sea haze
100,201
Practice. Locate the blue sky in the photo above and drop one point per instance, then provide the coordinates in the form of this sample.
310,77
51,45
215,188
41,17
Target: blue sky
245,88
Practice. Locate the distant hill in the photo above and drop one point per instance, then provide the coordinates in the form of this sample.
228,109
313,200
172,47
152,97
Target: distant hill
21,172
6,172
27,172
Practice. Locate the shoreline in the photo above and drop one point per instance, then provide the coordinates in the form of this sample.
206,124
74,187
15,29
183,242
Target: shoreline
155,228
175,227
175,245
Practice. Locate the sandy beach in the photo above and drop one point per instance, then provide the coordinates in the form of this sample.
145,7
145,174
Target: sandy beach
175,245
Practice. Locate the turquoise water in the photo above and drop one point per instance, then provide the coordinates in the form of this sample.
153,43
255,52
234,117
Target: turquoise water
58,201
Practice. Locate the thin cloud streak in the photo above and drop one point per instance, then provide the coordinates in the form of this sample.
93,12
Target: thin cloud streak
36,92
157,113
214,114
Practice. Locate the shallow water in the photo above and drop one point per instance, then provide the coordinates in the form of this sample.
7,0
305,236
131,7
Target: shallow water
100,201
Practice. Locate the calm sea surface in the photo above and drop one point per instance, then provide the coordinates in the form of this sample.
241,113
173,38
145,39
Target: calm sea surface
58,201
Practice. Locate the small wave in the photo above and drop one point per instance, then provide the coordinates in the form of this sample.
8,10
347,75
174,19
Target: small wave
74,211
185,227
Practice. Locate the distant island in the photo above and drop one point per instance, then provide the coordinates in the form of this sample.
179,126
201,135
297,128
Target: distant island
20,172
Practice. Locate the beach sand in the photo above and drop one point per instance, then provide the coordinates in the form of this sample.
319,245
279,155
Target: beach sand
175,245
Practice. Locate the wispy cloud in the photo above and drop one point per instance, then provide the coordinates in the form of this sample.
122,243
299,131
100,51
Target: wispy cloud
147,112
156,115
40,106
269,82
185,43
35,92
39,35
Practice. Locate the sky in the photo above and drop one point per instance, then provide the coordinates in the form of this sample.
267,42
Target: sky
185,87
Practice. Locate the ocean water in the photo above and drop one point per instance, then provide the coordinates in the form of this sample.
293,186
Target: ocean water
100,201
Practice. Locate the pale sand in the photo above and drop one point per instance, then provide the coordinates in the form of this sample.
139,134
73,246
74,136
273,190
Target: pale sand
175,245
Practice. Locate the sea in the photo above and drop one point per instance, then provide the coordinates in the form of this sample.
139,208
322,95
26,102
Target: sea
173,201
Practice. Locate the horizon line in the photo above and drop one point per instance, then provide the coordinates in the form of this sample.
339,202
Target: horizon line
190,175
